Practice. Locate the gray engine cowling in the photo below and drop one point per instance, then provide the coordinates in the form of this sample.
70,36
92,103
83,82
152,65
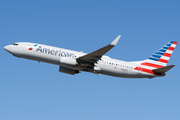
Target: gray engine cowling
68,70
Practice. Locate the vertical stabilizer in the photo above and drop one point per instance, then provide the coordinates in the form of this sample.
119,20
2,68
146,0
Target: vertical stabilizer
161,57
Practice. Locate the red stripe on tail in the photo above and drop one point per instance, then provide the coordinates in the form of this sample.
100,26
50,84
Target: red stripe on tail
147,71
175,42
152,65
167,54
171,48
163,60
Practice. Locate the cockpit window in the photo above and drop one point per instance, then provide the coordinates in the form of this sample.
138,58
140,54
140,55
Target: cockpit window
15,44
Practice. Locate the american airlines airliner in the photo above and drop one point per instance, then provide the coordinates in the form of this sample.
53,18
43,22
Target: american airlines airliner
72,62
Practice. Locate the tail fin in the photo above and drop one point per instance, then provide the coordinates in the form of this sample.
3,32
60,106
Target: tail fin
160,58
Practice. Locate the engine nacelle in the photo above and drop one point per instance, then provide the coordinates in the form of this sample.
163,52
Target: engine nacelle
68,61
68,70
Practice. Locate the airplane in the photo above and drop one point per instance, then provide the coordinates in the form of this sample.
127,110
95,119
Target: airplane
72,62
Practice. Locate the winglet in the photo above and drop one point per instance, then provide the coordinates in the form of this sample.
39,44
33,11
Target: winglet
115,41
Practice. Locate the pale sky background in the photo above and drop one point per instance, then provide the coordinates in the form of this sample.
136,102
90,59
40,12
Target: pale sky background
37,91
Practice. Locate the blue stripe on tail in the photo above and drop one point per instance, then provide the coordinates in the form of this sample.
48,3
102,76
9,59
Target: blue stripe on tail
151,58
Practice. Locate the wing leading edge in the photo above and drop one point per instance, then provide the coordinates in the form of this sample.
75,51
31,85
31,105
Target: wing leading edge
93,57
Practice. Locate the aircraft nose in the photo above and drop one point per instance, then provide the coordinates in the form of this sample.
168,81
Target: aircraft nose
7,48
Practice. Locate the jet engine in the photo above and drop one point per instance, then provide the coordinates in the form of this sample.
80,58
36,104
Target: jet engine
68,70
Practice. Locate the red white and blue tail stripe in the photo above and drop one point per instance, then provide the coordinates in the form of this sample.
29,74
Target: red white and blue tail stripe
160,58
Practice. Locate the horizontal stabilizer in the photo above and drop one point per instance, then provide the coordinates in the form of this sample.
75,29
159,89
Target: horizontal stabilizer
163,69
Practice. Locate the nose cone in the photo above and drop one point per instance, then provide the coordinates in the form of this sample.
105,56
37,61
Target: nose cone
7,48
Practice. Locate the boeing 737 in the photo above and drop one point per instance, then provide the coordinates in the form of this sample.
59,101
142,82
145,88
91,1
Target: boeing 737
72,62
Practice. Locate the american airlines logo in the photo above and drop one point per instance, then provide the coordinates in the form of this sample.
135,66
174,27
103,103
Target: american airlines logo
54,52
32,48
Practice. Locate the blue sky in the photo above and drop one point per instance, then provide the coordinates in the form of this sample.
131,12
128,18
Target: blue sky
31,90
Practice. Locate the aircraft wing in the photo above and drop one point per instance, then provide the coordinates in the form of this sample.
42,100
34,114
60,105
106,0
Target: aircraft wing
93,57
